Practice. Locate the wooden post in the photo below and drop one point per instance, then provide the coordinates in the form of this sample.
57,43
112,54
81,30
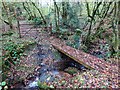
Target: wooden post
18,24
17,15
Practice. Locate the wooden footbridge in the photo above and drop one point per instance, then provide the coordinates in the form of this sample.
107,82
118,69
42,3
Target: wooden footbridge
85,59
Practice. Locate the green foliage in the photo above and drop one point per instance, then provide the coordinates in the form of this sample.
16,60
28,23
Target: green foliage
75,42
57,55
71,70
37,21
108,54
63,33
8,33
113,41
84,48
54,31
13,48
3,83
72,19
98,34
3,86
106,49
12,53
43,85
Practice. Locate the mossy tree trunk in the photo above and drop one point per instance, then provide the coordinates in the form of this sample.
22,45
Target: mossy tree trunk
117,34
116,28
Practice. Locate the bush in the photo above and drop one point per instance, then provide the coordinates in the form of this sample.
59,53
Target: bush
37,21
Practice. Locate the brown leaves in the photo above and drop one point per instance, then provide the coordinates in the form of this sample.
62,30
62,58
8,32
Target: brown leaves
83,58
87,60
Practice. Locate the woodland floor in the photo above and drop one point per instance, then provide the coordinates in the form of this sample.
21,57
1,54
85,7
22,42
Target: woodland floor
30,66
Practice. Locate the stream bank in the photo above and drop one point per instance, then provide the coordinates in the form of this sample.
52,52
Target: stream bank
51,65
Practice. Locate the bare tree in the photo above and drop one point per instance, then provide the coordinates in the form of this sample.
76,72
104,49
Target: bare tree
40,13
92,18
56,13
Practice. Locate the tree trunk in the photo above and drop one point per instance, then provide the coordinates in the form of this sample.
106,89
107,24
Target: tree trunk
17,15
56,15
29,14
117,42
92,18
64,12
18,28
40,13
29,9
8,14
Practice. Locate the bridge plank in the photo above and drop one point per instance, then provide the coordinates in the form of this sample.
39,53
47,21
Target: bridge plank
85,59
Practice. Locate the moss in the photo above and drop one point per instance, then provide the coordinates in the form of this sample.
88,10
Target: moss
43,85
71,70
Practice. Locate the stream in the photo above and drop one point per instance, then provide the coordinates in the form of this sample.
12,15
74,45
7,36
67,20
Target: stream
51,63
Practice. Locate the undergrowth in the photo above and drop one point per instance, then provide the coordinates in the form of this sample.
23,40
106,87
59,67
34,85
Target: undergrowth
13,48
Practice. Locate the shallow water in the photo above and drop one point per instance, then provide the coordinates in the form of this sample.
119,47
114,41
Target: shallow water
34,83
48,70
